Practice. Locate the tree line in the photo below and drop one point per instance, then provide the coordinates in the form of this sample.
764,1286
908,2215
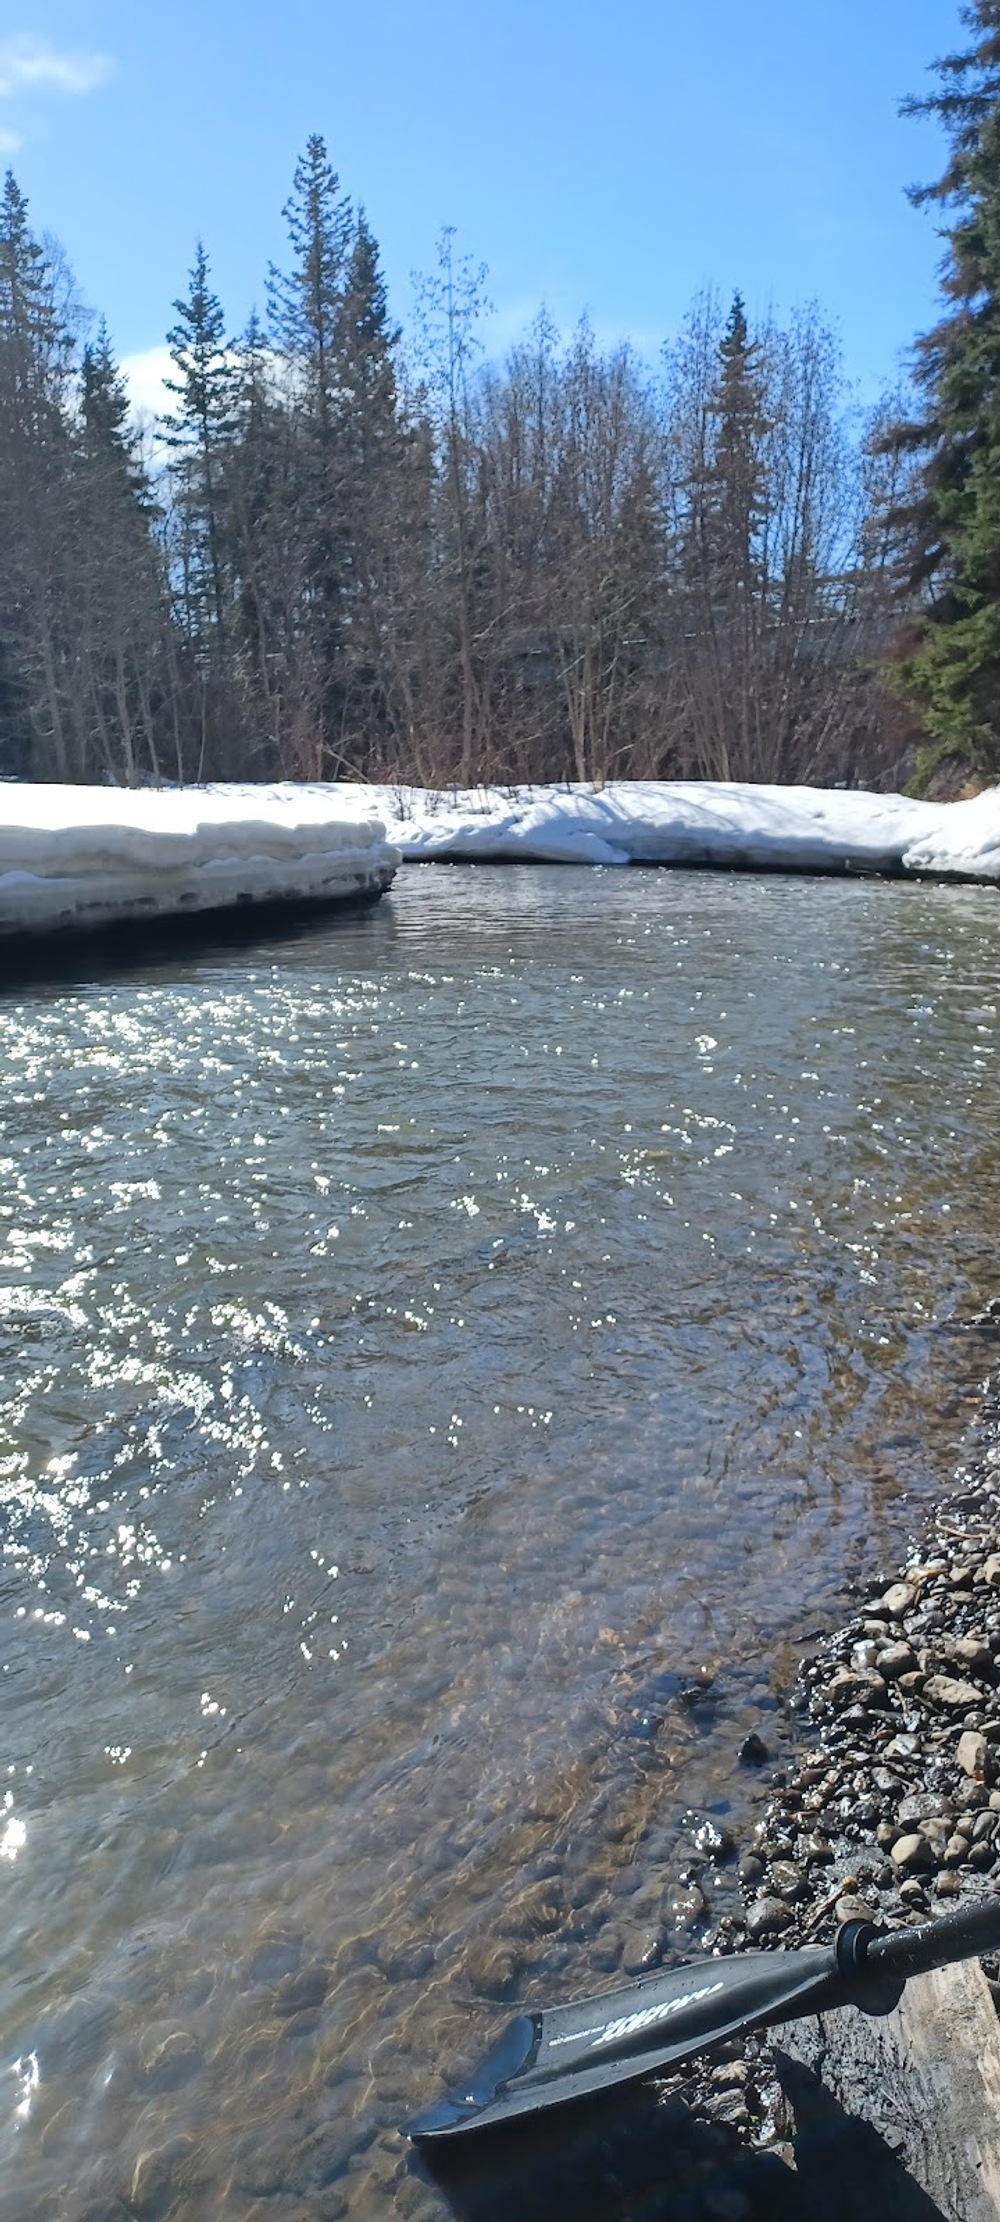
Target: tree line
350,555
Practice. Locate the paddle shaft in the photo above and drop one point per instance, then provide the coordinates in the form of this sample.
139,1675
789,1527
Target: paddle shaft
961,1935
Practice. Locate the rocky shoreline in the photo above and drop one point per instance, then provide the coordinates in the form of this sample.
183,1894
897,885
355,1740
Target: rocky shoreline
894,1813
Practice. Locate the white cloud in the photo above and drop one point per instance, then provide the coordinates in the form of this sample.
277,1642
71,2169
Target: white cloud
144,375
32,65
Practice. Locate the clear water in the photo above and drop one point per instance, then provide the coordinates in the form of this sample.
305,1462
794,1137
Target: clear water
427,1343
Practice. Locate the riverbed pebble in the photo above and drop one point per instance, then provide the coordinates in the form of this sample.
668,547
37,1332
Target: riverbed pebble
897,1600
912,1852
767,1917
956,1696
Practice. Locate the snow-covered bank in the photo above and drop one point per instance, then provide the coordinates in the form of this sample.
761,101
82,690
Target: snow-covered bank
86,856
793,829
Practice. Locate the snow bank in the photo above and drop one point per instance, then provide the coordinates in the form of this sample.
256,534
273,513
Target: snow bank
84,856
792,829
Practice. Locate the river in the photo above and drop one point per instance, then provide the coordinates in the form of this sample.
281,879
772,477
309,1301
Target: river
454,1359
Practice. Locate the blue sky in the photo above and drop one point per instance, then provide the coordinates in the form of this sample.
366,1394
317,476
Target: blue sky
614,158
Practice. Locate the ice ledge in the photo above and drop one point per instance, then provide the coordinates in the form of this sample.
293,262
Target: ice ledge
90,856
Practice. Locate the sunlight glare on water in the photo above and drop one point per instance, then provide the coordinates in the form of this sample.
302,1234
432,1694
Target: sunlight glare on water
452,1360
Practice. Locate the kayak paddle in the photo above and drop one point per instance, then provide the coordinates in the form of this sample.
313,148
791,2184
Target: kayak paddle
548,2057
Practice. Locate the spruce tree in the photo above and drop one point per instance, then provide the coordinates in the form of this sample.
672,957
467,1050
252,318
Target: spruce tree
950,530
199,431
304,303
120,598
36,357
306,321
736,499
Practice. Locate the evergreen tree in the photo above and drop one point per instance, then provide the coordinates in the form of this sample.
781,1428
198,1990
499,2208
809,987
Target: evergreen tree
372,465
367,342
36,353
949,532
305,303
119,598
305,319
263,548
450,304
735,508
199,432
106,432
722,543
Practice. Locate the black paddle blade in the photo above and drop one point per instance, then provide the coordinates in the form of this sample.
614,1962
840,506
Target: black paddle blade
549,2058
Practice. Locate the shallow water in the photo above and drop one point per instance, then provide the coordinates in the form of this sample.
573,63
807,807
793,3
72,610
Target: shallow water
428,1345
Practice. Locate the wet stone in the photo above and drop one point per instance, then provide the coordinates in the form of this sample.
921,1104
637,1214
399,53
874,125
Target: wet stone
852,1907
768,1916
717,1842
770,1842
922,1805
273,1959
844,1688
156,2176
172,2062
956,1696
606,1950
405,1963
729,2107
973,1755
788,1881
904,1746
912,1852
303,1992
730,2075
538,1910
625,1882
973,1652
684,1906
896,1659
643,1950
492,1970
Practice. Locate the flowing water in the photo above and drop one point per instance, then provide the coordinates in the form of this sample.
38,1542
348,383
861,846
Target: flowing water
453,1359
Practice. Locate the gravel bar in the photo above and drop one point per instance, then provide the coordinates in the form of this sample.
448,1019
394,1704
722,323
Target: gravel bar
893,1813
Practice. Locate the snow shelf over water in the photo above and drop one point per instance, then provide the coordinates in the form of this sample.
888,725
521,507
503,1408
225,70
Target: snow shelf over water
87,856
791,829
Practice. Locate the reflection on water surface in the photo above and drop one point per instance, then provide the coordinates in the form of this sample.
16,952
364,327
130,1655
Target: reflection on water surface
451,1359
